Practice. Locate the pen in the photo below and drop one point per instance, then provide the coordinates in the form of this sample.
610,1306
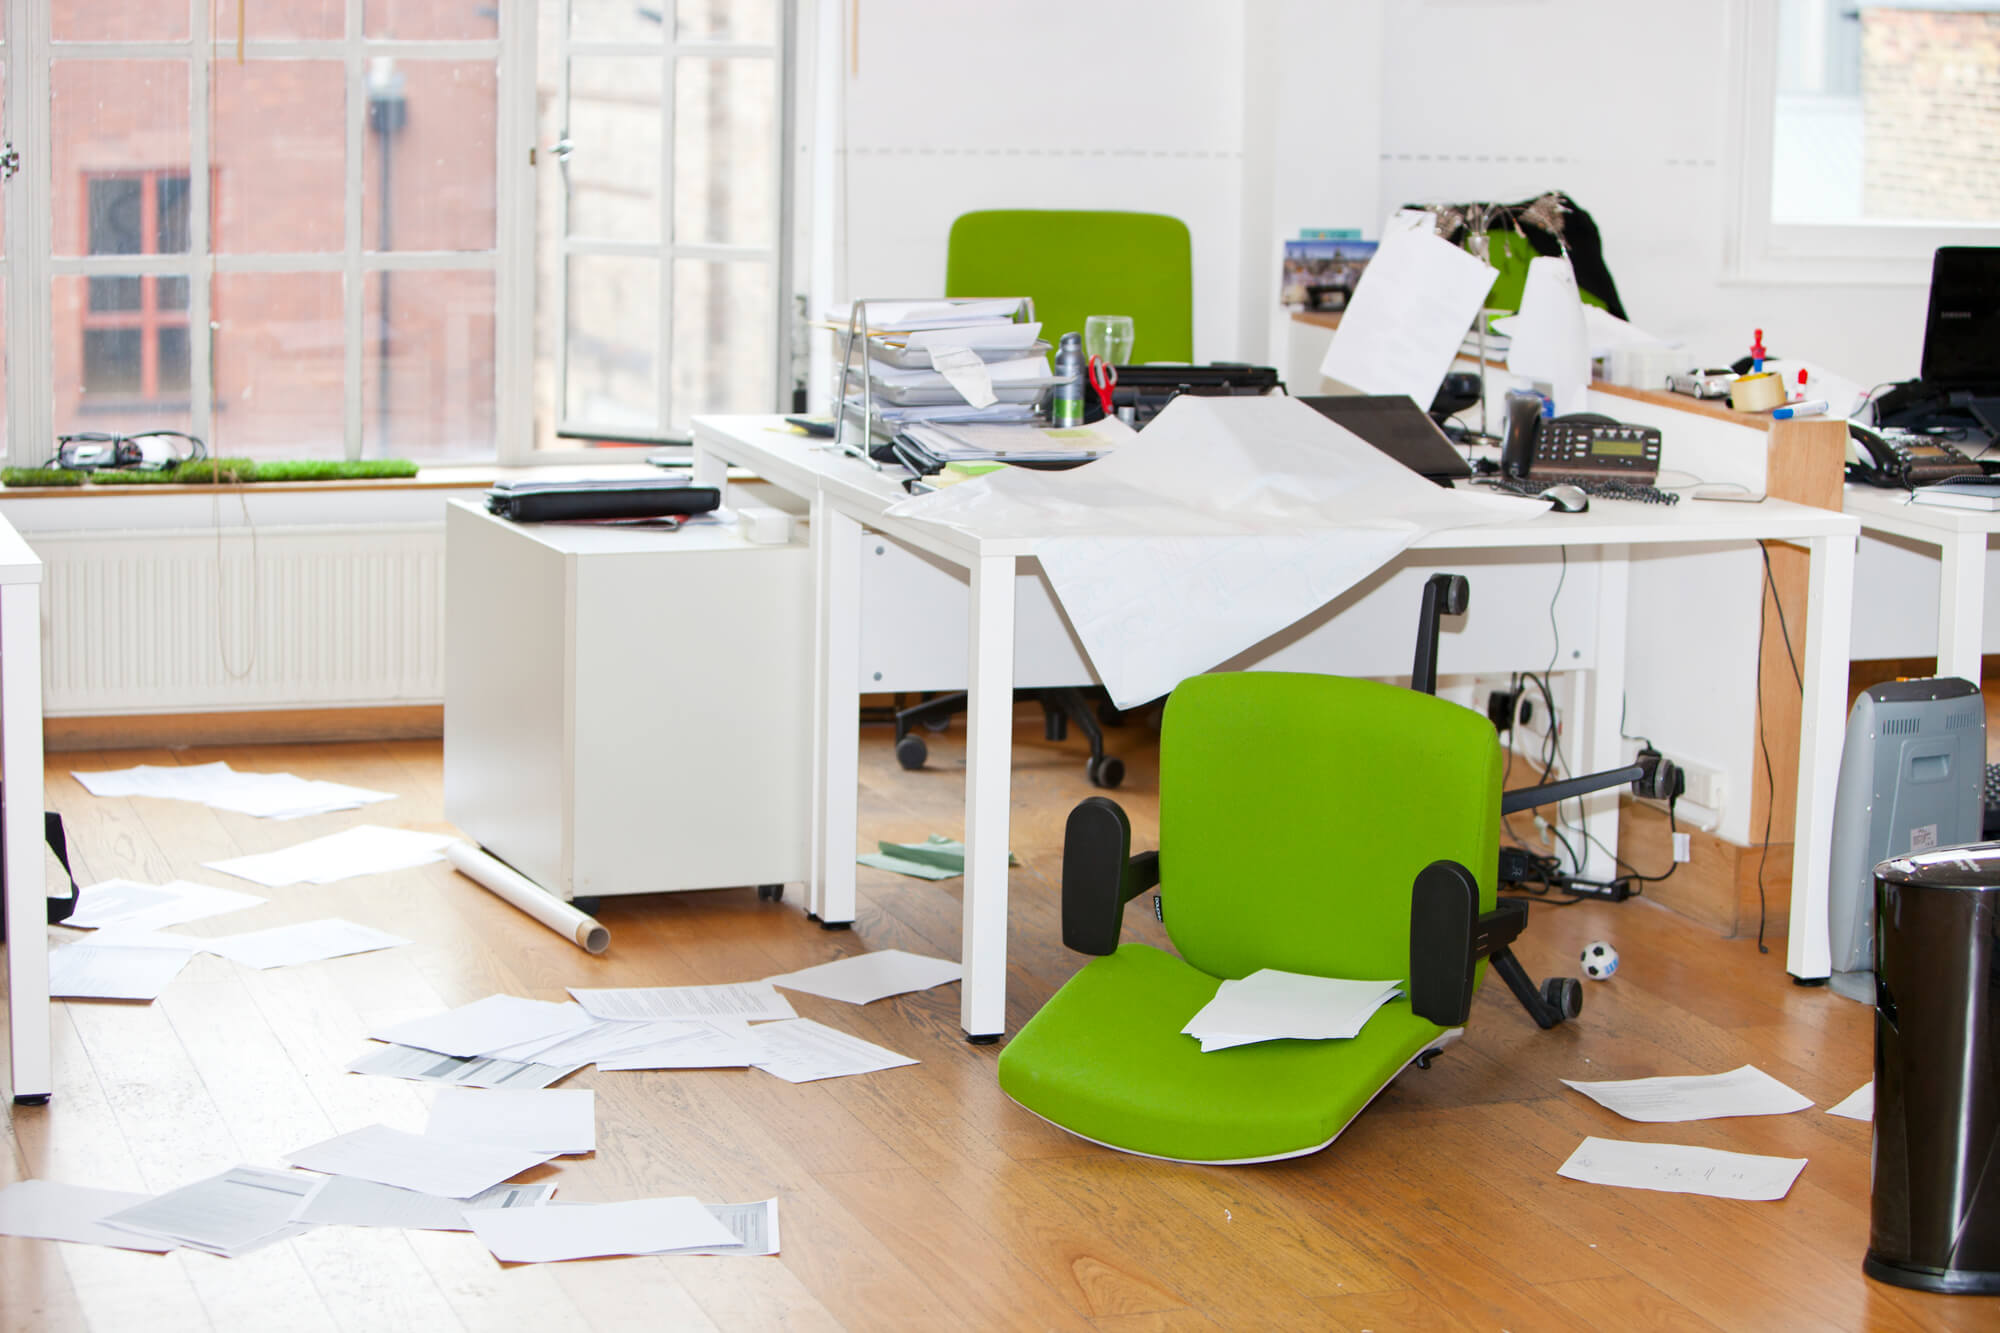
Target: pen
1790,410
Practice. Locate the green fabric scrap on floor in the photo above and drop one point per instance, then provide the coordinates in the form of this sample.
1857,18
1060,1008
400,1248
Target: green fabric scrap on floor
934,858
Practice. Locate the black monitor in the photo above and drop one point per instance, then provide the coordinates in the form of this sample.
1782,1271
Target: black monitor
1962,330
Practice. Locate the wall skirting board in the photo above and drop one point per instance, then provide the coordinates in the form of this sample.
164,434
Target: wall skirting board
275,618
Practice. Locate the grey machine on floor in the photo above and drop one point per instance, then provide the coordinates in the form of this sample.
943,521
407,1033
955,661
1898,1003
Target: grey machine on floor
1912,774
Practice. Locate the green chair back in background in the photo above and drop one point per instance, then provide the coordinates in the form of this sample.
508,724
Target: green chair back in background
1079,263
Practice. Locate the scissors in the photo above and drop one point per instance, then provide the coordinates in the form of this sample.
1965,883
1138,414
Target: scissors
1103,378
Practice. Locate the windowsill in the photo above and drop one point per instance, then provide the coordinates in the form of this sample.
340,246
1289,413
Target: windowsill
476,476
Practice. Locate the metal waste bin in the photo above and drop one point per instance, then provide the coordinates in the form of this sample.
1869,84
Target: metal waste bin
1935,1223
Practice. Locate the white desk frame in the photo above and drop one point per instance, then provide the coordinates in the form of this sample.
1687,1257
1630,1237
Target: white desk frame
845,495
26,889
1960,538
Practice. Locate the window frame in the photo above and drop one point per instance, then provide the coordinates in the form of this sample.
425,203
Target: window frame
1760,250
149,317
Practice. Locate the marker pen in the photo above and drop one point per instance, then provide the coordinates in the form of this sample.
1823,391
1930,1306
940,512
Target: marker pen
1790,410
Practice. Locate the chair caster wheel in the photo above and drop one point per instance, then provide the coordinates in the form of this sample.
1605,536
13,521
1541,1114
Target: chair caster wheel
770,893
587,906
911,752
1564,995
1107,772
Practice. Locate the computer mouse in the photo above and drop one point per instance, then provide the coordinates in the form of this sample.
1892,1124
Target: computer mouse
1566,499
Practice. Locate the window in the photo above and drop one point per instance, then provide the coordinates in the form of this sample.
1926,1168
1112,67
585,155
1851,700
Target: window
1870,133
135,329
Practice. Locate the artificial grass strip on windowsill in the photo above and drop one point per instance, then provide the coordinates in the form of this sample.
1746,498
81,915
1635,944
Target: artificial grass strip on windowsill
213,471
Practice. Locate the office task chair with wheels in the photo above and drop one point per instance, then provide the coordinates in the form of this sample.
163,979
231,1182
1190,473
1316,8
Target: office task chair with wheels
1312,824
1074,264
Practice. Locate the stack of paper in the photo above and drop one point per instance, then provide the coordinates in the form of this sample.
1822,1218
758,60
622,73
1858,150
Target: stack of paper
1269,1005
367,849
268,795
946,360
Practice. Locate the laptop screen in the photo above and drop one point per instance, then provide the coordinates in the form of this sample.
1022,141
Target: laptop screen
1398,427
1962,331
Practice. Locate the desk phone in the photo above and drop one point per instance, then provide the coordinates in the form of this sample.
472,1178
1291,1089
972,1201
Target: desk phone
1582,445
1900,460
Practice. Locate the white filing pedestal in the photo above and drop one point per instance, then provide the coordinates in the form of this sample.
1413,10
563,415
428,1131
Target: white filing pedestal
628,711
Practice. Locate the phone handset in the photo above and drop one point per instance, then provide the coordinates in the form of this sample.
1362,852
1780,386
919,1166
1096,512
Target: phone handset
1903,462
1524,427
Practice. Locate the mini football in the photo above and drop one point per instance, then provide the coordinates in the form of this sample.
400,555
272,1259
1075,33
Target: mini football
1600,960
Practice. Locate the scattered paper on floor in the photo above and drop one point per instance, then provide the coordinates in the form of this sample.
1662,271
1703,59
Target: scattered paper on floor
753,1000
1747,1090
864,978
484,1026
416,1161
593,1230
1676,1168
243,1209
49,1210
348,1202
1857,1105
91,971
802,1051
267,795
554,1120
305,942
421,1066
129,904
367,849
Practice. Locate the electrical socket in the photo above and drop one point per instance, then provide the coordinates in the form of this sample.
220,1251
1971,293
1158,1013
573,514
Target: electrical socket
1705,785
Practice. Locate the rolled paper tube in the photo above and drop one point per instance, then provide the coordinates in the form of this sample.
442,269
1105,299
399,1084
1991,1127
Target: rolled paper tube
511,886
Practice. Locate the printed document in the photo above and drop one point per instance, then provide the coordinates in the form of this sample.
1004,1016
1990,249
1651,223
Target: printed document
306,942
562,1120
755,1226
1745,1091
416,1161
1403,325
90,971
591,1230
242,1209
1674,1168
423,1066
802,1051
47,1210
716,1044
867,977
487,1025
753,1000
348,1202
135,906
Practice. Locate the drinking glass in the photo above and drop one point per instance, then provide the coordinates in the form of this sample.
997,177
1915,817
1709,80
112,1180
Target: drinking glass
1108,338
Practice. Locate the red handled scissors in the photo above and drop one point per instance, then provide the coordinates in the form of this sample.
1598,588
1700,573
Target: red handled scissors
1103,378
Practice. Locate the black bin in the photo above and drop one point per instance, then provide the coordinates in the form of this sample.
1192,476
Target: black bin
1935,1224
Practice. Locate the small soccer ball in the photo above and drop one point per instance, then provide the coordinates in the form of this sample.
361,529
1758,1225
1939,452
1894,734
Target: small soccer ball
1600,960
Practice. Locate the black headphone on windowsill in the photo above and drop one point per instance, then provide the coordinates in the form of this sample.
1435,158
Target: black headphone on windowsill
152,450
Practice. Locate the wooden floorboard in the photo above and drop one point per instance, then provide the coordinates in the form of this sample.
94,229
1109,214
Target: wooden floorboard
923,1197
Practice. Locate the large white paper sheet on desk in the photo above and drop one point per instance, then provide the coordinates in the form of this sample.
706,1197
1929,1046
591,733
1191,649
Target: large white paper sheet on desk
343,1201
243,1209
1404,323
867,977
136,906
1675,1168
557,1120
49,1210
417,1162
1747,1090
484,1026
1227,520
590,1230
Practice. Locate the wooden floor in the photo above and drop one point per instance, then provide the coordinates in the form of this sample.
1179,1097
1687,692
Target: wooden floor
922,1197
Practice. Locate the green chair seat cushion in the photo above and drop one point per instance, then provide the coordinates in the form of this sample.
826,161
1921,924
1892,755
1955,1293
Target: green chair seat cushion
1106,1059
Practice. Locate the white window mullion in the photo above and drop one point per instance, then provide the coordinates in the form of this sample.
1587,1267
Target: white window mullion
669,53
201,322
514,235
30,356
354,295
782,190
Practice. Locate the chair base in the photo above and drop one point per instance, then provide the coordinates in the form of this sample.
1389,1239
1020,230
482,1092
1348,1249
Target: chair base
1422,1059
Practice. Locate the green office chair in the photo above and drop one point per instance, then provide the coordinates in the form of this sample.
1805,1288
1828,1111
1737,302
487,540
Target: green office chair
1076,264
1313,824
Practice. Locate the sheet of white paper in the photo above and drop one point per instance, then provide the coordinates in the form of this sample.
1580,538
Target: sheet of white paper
124,937
1858,1105
1270,1004
753,1000
1675,1168
966,372
273,795
1230,520
802,1051
755,1226
1744,1091
716,1044
417,1161
366,849
242,1209
347,1202
306,942
928,314
558,1120
137,906
549,1049
589,1230
867,977
491,1024
48,1210
1550,342
1404,323
423,1066
162,781
89,971
999,334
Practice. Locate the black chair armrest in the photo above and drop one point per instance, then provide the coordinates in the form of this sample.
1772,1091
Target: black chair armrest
1100,875
1448,937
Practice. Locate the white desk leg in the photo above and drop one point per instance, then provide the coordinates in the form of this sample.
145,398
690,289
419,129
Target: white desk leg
710,469
989,758
21,810
1829,620
1961,604
1598,745
836,713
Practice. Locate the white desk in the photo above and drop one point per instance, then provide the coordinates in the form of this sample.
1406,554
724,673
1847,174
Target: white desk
26,891
1960,536
844,495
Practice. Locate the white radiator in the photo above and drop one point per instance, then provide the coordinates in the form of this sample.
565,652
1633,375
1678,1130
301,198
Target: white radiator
300,617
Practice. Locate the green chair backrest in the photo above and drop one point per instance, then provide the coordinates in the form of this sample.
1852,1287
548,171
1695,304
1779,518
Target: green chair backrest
1296,811
1509,253
1077,263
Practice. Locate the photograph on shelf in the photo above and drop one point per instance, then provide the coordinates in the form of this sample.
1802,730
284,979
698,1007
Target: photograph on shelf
1322,275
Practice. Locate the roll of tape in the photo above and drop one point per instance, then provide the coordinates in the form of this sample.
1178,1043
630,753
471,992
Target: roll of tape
1757,393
